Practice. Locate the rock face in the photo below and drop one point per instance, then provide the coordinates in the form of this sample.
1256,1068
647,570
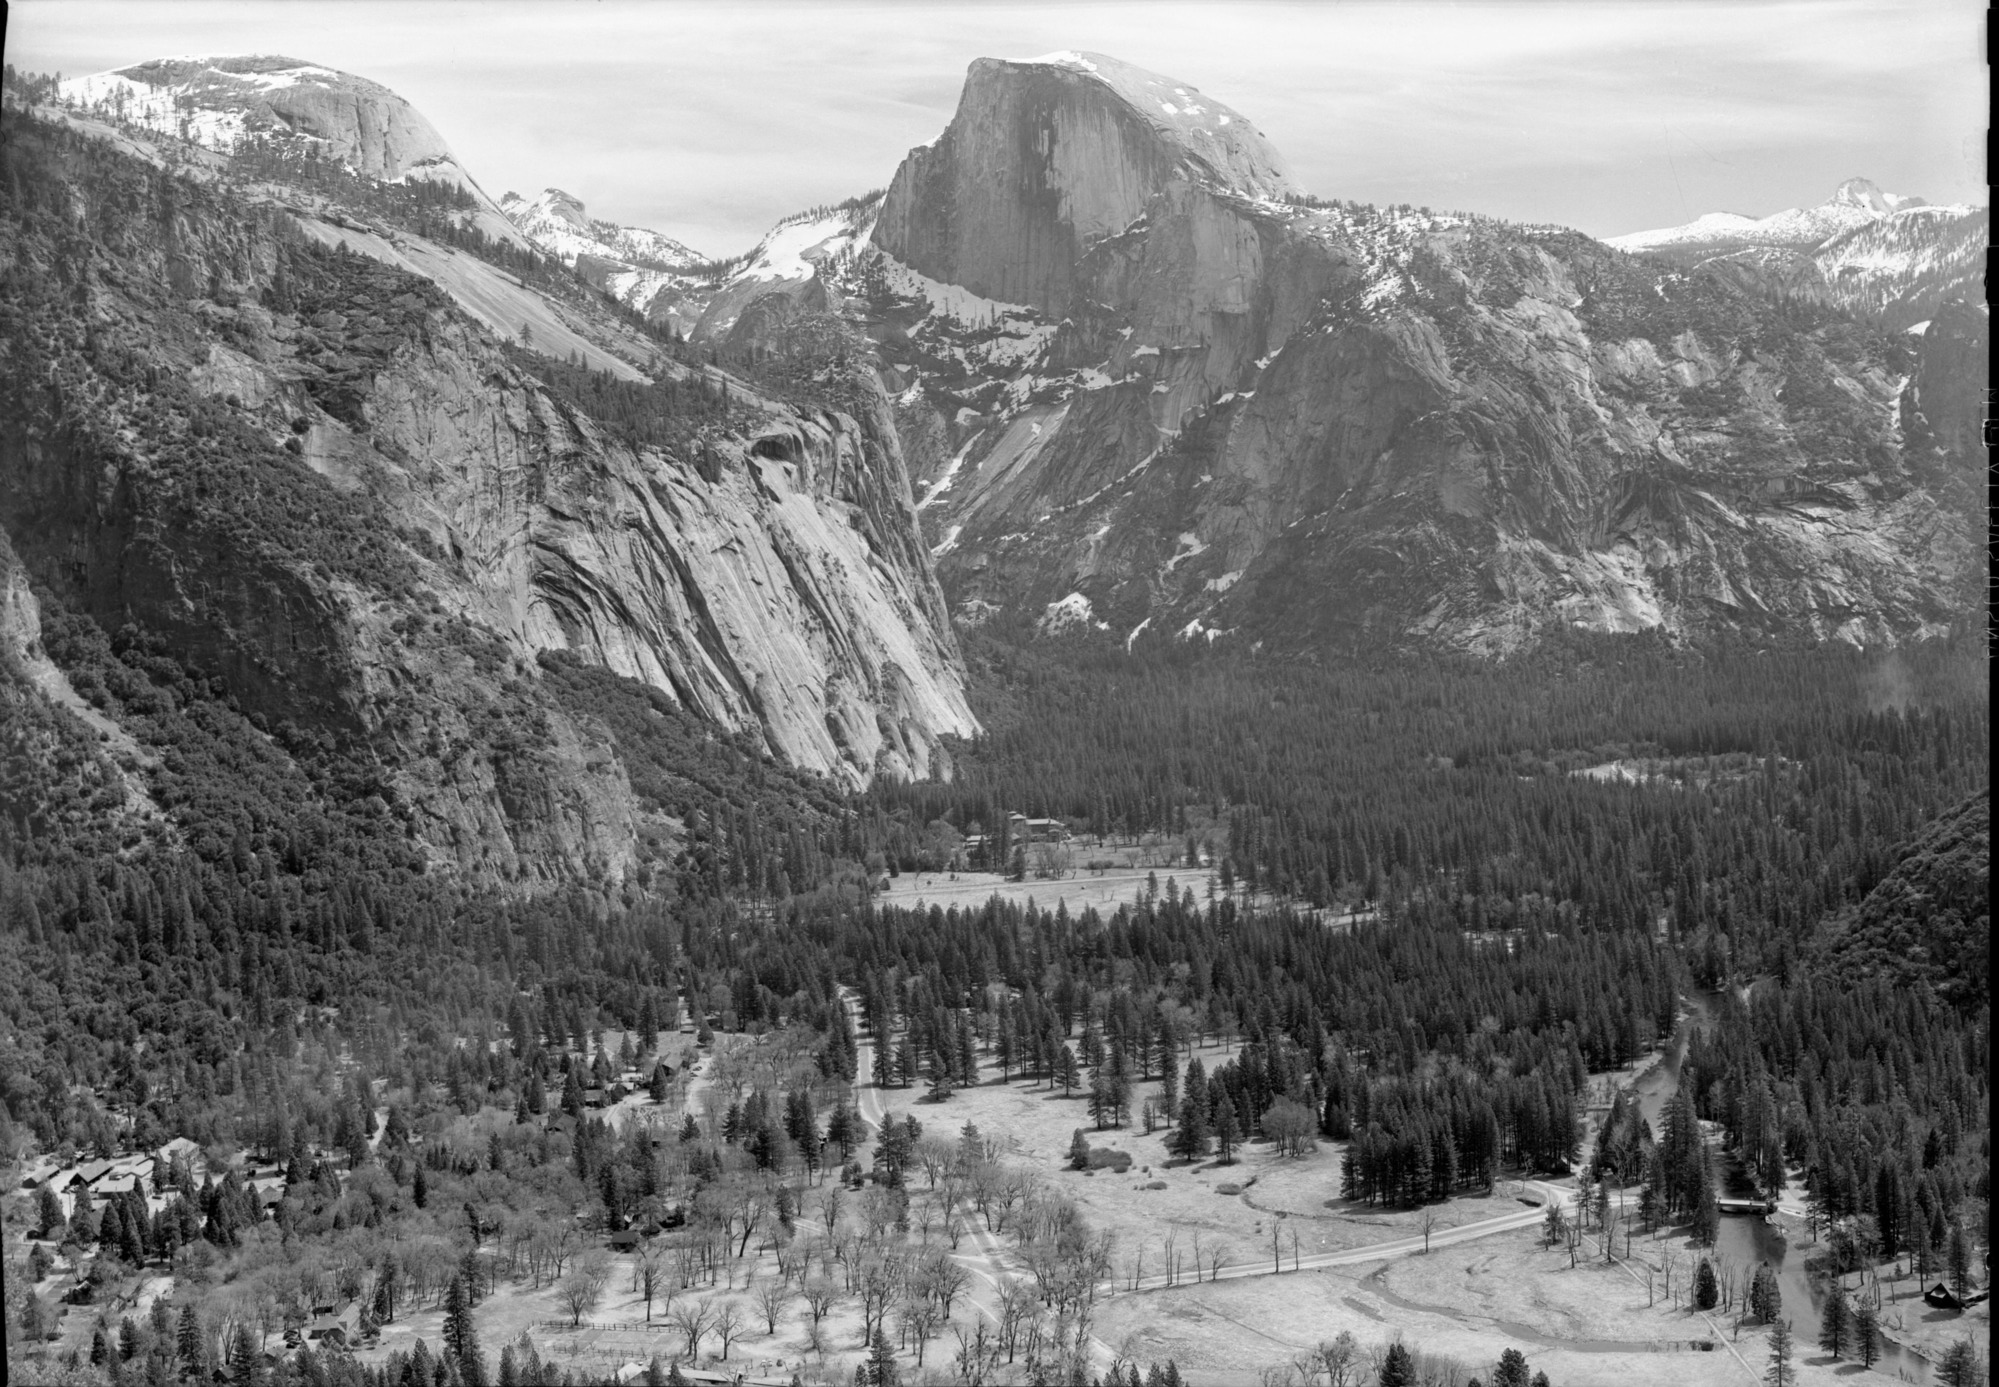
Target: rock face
778,585
218,102
1046,159
1199,402
290,447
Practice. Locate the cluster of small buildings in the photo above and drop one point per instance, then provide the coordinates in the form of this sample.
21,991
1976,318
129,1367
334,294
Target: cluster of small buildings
1020,830
147,1172
334,1324
106,1179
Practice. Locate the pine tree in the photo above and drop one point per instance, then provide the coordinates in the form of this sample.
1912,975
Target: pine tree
459,1340
1959,1366
1070,1072
1227,1129
1959,1257
188,1341
881,1364
1706,1290
1866,1333
1706,1209
1780,1373
1079,1151
1511,1370
1835,1324
1397,1369
1766,1298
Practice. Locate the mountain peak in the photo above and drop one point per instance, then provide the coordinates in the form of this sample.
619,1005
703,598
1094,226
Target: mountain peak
1865,193
1048,157
550,204
217,101
1219,139
1855,203
559,224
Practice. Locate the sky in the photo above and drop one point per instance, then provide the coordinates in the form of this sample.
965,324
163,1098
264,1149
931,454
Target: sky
710,121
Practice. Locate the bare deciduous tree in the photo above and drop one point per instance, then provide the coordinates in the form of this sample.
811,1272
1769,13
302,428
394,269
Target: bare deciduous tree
978,1357
729,1324
770,1297
693,1318
821,1293
1340,1360
580,1289
650,1269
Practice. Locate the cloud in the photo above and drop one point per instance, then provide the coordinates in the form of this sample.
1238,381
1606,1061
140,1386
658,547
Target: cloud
709,121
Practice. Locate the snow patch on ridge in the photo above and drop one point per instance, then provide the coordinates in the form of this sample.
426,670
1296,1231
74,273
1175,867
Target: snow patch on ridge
1066,57
1067,613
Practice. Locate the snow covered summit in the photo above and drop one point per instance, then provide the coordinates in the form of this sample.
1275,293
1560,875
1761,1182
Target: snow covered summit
1854,204
558,223
219,101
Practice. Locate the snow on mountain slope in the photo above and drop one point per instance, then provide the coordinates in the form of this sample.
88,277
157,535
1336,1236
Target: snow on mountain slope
1854,204
1701,230
557,223
1889,259
1899,267
789,261
666,281
218,102
1219,139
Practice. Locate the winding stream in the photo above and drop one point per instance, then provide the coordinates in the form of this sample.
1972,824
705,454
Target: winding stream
1747,1241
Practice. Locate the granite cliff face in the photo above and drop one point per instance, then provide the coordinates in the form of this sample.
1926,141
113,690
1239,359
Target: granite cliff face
302,451
1199,402
776,585
1046,159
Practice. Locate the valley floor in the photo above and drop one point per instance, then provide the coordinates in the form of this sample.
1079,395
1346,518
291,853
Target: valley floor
1586,1325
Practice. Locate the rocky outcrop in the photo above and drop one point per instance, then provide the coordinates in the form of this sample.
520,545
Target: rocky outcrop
1949,388
1046,159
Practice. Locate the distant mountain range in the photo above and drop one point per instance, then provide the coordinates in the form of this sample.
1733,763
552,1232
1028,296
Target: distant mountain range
1886,258
1854,204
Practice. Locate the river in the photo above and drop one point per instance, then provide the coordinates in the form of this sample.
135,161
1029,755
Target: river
1746,1241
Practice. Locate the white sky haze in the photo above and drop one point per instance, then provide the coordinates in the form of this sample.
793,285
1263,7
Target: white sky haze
710,121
